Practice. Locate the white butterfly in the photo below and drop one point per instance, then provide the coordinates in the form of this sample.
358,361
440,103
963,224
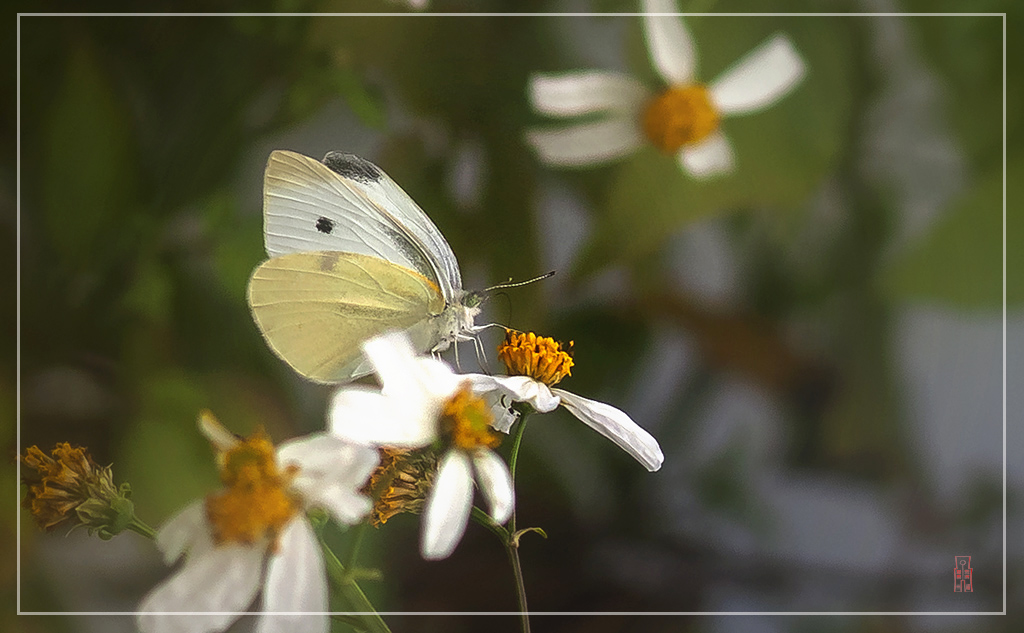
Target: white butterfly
351,256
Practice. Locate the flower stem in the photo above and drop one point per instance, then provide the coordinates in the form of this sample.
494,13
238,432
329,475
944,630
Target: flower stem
517,571
357,541
485,520
139,526
512,543
369,619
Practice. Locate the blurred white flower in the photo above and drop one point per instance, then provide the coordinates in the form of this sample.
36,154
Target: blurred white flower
422,401
682,120
255,533
538,363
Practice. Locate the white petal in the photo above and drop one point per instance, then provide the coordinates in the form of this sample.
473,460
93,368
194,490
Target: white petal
669,43
345,505
405,375
221,438
329,459
496,483
367,417
184,531
519,388
448,505
576,93
330,473
709,157
760,78
498,403
223,579
585,144
296,582
616,426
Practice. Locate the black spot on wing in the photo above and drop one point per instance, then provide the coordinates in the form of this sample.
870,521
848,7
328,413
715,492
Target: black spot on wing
351,166
325,225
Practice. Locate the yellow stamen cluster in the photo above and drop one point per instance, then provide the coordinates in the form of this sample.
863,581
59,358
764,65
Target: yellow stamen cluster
400,483
468,420
256,503
539,357
60,483
680,116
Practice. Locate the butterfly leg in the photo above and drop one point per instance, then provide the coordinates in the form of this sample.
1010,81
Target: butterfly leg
481,354
456,347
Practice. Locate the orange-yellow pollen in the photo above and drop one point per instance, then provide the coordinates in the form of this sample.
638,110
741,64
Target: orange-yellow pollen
400,483
468,420
256,503
680,116
539,357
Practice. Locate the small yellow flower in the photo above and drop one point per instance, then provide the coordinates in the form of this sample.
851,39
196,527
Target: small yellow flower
254,535
423,404
539,357
256,502
680,116
610,115
535,364
468,419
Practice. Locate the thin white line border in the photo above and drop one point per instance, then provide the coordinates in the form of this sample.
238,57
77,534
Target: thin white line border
465,14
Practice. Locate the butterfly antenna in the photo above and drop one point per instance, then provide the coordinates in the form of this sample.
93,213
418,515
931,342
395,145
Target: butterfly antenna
511,284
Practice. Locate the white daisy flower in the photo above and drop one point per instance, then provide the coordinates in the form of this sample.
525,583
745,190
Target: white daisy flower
682,120
254,534
422,401
536,364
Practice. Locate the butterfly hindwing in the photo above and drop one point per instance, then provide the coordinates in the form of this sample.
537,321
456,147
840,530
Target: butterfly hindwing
316,308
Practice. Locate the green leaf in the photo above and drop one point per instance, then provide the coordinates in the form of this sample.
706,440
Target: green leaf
959,262
781,153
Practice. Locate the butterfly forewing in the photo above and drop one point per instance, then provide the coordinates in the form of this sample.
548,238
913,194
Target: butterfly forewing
351,207
392,200
316,308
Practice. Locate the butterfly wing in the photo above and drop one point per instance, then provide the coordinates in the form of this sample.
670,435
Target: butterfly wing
350,205
316,308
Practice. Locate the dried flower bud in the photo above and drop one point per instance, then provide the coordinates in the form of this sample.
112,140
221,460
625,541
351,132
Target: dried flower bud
68,488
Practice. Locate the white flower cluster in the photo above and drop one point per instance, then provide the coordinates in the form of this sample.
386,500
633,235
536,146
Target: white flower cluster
227,563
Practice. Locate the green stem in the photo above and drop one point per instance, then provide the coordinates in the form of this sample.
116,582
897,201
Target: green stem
517,571
354,596
485,520
357,541
513,457
512,543
139,526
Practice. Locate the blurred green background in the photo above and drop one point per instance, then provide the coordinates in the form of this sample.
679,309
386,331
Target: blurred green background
815,340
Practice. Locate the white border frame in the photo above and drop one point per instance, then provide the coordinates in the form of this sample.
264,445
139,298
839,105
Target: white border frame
532,14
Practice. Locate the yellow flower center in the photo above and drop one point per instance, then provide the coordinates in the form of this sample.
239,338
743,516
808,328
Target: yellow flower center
539,357
256,503
468,420
680,116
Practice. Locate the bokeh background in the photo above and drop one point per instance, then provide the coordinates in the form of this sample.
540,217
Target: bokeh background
816,340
